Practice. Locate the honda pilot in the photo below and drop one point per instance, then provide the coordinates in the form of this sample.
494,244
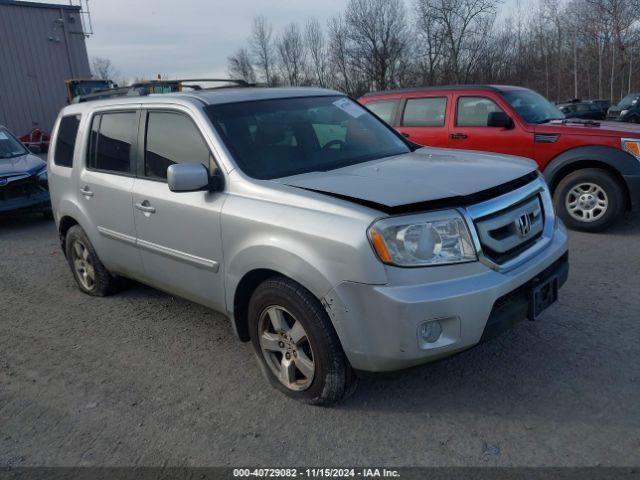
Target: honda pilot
332,243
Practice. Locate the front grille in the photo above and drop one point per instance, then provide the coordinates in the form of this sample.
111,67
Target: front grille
19,188
507,233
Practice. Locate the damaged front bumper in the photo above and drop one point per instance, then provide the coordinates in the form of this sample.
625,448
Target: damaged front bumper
379,325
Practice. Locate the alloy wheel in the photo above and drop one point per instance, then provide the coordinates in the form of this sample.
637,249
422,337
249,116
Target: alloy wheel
587,202
83,266
286,348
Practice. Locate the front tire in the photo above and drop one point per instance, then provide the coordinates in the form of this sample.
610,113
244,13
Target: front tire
590,200
297,348
90,274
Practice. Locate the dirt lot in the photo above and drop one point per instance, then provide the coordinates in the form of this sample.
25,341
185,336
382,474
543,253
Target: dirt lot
143,378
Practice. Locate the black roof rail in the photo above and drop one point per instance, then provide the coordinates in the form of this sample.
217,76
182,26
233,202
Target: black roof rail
141,89
436,88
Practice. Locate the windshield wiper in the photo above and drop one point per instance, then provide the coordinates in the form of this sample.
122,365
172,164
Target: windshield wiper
547,120
577,121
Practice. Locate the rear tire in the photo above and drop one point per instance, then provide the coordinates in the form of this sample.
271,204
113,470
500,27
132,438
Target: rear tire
590,199
295,343
90,274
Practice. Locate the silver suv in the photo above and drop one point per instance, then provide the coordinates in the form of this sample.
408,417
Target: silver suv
331,242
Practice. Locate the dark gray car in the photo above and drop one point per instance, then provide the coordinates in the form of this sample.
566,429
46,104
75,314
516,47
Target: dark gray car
23,177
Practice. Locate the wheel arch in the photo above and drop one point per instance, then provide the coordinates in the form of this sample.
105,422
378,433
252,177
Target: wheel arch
612,160
244,274
65,223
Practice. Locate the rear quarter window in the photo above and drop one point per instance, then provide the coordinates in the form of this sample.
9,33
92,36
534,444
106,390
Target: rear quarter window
66,141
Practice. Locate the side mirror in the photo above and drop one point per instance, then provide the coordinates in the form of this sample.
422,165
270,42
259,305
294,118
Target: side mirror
35,149
499,120
187,177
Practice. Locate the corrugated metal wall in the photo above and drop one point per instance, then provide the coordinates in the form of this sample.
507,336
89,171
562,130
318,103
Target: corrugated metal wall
41,46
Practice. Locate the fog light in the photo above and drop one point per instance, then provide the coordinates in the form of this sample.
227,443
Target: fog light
430,331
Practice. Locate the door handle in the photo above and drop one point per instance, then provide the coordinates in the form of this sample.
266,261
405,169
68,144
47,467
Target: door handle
405,134
86,191
145,207
458,136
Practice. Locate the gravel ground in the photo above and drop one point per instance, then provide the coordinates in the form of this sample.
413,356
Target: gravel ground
142,378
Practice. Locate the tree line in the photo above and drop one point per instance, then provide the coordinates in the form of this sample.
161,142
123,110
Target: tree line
560,48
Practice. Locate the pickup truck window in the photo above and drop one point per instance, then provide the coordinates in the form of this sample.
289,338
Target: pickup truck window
425,112
66,140
474,111
385,109
110,141
172,138
282,137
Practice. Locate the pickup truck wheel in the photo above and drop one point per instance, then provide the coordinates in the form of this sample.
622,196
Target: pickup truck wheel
590,199
89,272
297,348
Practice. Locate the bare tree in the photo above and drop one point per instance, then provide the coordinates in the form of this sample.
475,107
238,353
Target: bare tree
338,53
561,48
291,55
466,27
102,68
377,35
316,46
261,44
430,40
240,67
620,16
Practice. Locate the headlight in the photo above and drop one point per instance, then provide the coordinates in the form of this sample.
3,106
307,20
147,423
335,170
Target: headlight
435,238
632,146
623,113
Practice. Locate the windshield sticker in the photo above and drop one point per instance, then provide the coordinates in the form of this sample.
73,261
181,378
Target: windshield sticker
349,107
3,136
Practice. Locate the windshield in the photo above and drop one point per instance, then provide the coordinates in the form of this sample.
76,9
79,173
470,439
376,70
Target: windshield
532,107
9,145
282,137
629,100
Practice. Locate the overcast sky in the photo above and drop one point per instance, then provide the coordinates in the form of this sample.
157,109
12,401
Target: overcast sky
186,38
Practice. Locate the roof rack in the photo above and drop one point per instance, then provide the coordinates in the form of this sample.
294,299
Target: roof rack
141,89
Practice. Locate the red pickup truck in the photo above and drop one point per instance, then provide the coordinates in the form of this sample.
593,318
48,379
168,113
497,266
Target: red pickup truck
593,168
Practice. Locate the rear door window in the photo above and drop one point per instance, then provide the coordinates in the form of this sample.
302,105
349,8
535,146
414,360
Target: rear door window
66,141
474,111
112,135
425,112
385,109
172,138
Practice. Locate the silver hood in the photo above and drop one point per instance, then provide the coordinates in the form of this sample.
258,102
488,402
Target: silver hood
425,175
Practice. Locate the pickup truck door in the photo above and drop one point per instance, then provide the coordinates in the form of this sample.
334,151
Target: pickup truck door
423,120
469,130
179,234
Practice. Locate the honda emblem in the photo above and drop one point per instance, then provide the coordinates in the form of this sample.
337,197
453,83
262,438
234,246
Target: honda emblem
523,225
